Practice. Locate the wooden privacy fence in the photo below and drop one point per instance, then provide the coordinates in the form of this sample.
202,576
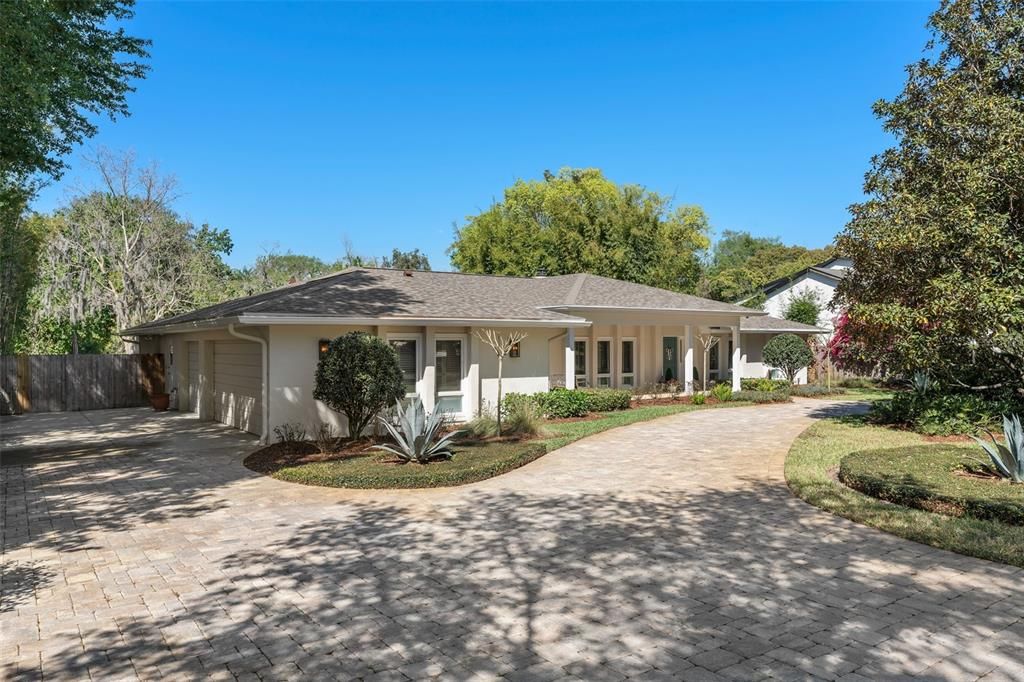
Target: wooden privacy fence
60,383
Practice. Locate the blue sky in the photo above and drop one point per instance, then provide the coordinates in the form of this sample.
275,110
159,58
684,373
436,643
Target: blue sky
296,125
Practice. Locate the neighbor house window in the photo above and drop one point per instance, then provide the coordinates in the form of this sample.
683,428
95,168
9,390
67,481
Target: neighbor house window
580,362
408,361
628,378
604,363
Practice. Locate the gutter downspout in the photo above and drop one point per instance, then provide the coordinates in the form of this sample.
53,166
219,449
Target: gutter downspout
265,436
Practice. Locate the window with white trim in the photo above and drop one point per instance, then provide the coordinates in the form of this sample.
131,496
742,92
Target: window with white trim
627,375
604,363
407,348
580,362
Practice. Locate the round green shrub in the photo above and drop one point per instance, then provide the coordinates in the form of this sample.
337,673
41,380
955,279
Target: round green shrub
562,403
789,353
607,399
359,376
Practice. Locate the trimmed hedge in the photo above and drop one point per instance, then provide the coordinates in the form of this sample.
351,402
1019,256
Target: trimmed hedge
926,477
812,391
763,384
761,396
562,403
607,399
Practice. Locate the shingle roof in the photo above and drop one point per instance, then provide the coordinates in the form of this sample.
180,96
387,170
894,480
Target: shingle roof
767,323
383,293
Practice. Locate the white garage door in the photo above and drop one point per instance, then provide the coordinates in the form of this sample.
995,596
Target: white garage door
237,385
193,376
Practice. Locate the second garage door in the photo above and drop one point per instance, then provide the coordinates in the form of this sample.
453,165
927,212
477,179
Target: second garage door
237,385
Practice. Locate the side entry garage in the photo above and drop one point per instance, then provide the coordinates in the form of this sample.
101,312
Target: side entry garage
237,385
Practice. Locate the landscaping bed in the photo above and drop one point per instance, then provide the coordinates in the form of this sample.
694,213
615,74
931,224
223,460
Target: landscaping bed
939,478
474,460
817,454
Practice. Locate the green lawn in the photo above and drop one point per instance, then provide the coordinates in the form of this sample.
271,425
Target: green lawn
816,456
932,477
472,461
864,394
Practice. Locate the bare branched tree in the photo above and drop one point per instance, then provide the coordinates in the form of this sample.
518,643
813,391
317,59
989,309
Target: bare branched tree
707,342
502,345
124,249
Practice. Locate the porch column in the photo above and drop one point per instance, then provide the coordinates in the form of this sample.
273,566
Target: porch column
570,358
474,374
688,361
737,359
616,356
429,372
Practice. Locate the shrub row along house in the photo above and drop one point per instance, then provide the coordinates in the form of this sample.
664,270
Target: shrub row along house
250,362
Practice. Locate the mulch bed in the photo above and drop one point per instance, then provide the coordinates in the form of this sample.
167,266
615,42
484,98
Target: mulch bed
281,455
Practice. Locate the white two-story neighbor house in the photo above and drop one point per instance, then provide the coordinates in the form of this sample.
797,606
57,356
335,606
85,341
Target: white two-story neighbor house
250,362
821,280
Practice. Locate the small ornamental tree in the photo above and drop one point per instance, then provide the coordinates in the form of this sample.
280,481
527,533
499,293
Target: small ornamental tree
359,376
803,307
789,353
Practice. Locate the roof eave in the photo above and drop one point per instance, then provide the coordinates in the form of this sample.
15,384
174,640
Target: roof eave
745,312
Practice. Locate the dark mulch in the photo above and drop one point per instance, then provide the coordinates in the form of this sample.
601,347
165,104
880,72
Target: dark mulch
280,455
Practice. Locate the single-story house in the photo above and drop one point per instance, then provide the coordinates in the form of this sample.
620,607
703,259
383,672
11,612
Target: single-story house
250,362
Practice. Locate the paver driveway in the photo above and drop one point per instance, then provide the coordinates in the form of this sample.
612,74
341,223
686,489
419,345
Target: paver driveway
137,545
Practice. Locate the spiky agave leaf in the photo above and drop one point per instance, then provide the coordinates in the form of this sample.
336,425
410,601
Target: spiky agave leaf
416,435
1008,459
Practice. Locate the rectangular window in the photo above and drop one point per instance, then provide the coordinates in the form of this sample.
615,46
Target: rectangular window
449,365
580,362
730,354
628,362
604,363
713,357
408,362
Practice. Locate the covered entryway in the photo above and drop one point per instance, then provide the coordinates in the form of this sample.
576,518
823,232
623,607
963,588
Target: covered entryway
238,385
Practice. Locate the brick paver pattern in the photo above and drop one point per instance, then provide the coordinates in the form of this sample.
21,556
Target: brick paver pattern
137,545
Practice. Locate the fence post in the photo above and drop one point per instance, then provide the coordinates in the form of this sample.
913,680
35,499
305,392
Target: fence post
23,374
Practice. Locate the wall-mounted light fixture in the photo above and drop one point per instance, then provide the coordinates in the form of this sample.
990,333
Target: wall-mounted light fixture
324,345
513,352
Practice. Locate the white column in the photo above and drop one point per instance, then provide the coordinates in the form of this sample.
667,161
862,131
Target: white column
616,355
659,360
737,359
688,361
429,392
570,359
474,375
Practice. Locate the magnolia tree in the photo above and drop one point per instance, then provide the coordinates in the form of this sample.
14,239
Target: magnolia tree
502,345
359,376
789,353
937,244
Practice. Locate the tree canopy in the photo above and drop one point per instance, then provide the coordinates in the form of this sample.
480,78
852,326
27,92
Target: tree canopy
740,264
580,221
62,63
938,245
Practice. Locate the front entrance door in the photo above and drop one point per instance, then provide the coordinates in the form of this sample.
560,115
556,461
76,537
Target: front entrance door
669,348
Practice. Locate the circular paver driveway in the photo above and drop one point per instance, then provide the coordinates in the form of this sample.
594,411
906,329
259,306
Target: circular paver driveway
137,545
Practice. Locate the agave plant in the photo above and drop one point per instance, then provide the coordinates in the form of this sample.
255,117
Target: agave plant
1008,459
418,438
921,383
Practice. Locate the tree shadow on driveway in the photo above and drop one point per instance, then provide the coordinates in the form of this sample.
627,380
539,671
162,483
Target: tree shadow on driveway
745,583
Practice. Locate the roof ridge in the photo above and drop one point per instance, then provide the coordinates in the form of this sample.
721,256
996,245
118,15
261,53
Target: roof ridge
574,290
